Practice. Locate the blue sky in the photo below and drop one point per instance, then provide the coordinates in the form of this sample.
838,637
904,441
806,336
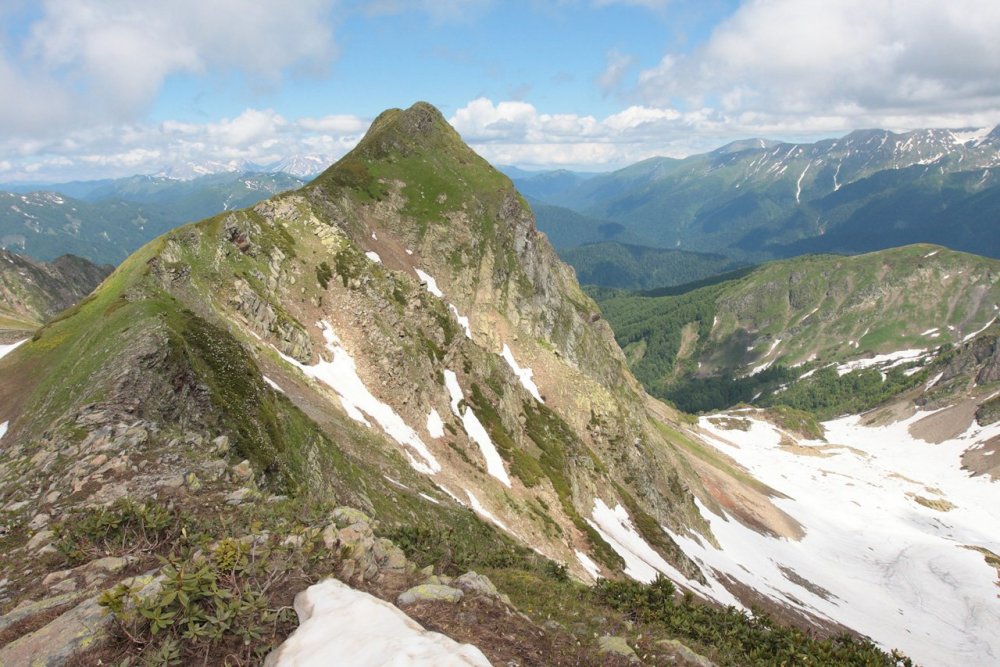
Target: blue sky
97,88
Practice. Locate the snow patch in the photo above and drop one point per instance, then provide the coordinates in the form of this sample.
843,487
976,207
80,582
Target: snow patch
7,349
429,498
930,331
451,495
475,430
396,482
341,375
934,381
373,256
272,384
885,361
462,320
590,566
435,426
339,625
430,283
432,287
478,508
876,560
642,563
974,333
967,136
523,374
3,429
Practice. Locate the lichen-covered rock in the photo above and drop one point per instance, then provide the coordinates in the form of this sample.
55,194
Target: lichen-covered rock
349,516
612,645
684,653
429,593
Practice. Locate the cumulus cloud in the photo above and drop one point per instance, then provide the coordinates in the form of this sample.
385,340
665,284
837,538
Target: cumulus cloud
511,132
827,65
610,80
256,137
439,10
94,60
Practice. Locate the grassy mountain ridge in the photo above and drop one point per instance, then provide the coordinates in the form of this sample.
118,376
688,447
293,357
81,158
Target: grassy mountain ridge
250,280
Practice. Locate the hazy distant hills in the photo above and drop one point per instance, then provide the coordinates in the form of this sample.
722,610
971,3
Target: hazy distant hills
757,199
106,220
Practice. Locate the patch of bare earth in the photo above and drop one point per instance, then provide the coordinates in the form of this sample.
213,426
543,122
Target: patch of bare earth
751,507
984,459
945,424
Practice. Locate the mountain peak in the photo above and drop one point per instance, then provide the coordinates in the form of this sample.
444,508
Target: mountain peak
401,130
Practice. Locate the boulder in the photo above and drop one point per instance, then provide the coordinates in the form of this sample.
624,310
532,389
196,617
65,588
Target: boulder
612,645
684,653
429,593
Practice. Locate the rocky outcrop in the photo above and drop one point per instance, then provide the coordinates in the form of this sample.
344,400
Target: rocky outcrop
262,317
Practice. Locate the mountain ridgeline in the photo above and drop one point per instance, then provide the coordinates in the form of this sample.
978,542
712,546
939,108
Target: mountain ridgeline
759,200
105,221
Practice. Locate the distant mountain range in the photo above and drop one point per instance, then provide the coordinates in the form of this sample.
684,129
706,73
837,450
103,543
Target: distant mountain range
758,199
106,220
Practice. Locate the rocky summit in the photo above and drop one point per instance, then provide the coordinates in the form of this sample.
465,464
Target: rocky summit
388,378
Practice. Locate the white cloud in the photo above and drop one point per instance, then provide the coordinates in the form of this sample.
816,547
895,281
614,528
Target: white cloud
618,65
828,65
89,61
258,136
439,10
517,133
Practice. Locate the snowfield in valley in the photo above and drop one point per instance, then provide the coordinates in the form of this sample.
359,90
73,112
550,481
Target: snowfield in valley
891,525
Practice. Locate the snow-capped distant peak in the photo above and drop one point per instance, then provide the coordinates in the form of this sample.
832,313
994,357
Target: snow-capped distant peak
302,166
191,170
972,136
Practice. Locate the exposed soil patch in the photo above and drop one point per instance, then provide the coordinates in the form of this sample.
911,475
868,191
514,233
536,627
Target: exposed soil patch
946,424
984,460
750,507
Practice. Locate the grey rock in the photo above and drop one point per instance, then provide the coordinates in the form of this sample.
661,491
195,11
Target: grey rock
30,608
477,584
243,471
40,540
240,496
610,644
685,653
348,516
